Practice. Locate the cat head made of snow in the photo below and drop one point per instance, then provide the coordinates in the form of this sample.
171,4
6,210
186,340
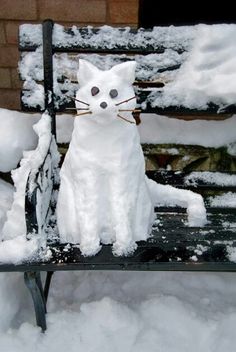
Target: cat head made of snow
106,93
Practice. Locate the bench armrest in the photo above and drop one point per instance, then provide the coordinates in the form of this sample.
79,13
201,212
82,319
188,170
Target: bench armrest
41,191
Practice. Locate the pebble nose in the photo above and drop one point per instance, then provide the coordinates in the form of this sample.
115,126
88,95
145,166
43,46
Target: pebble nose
103,105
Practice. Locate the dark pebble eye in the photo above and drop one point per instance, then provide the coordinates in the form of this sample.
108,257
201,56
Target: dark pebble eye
94,91
113,93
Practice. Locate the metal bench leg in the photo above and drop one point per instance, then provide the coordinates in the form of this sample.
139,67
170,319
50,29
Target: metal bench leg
34,284
40,286
47,285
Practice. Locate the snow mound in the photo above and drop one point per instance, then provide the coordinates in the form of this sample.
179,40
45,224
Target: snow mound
120,316
16,135
6,196
161,129
208,74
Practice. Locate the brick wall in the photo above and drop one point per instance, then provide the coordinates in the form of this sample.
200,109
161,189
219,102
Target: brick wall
67,12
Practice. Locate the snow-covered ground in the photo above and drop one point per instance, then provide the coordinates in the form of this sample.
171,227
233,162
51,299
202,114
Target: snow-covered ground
117,311
123,312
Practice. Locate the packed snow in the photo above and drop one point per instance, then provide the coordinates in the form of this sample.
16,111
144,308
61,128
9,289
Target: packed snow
15,247
209,72
161,129
167,130
109,171
6,199
14,140
122,311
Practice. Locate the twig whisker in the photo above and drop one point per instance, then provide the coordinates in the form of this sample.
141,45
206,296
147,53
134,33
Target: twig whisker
123,118
125,101
131,110
80,101
84,113
77,108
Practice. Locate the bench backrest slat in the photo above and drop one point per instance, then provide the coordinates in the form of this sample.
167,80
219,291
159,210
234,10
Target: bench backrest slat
106,39
170,45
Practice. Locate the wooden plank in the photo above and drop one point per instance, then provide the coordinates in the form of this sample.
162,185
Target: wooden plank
86,45
67,65
219,220
173,246
177,179
212,108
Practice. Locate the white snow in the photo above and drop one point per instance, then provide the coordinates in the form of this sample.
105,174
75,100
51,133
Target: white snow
122,311
217,178
12,251
169,196
13,140
109,37
225,200
207,73
17,135
6,191
104,196
231,253
161,129
14,246
153,129
30,34
65,125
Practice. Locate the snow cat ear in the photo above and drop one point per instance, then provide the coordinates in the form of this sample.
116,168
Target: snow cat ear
126,70
86,72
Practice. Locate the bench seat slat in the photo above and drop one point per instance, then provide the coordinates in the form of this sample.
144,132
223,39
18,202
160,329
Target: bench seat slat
213,109
208,266
215,221
203,243
172,246
177,179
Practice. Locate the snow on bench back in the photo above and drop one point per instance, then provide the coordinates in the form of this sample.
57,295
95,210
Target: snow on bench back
191,67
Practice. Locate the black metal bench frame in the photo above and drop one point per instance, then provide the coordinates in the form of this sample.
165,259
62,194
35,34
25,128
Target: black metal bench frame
161,254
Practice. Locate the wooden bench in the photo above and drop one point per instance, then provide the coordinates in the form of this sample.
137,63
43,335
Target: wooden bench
173,245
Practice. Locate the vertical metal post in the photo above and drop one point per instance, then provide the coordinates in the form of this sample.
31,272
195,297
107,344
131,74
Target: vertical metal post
48,72
49,98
